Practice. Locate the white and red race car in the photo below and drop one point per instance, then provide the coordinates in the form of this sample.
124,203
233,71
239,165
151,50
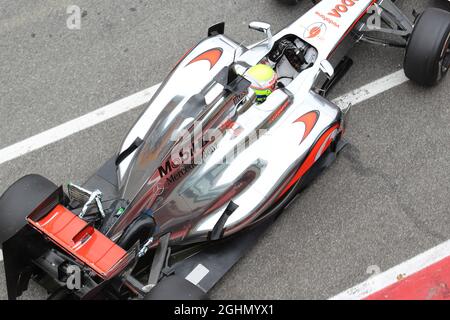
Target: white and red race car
177,206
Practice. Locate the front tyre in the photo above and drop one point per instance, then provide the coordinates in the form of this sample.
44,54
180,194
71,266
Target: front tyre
427,57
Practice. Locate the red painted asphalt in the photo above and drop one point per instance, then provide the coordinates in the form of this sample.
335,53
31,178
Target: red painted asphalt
431,283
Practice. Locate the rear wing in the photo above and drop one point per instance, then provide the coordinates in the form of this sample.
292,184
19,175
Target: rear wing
81,240
46,206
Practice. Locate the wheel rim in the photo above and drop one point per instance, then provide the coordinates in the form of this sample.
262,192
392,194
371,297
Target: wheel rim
445,56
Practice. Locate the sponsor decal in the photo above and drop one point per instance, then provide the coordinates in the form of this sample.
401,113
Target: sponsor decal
315,30
158,189
181,173
328,19
342,8
212,56
167,168
309,120
182,165
277,114
183,169
318,149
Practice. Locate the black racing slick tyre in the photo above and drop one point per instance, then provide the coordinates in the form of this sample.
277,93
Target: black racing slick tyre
19,200
427,57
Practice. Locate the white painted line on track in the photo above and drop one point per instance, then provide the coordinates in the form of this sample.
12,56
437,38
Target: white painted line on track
1,255
391,276
129,103
372,89
76,125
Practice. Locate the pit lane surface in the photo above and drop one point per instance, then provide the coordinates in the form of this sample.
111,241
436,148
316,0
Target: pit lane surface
384,201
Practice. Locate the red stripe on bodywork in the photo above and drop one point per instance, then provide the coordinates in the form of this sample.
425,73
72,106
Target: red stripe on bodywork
279,112
326,140
212,56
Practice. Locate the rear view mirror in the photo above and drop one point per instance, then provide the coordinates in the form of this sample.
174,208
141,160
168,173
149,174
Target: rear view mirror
260,26
327,68
263,27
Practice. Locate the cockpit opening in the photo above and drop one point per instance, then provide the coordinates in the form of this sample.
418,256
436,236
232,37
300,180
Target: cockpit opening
289,57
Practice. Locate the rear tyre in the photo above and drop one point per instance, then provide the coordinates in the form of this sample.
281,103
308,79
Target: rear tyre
427,57
19,200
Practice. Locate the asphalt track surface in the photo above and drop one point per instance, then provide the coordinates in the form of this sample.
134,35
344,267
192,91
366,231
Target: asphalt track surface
384,201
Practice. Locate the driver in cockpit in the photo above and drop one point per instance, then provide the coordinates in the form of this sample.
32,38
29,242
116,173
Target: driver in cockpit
264,81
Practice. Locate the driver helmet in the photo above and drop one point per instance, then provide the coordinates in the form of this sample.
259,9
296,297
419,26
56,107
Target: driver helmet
264,81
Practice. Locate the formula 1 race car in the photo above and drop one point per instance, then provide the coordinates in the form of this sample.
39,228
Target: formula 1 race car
208,165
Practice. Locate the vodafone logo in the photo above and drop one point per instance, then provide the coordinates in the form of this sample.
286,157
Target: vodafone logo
342,8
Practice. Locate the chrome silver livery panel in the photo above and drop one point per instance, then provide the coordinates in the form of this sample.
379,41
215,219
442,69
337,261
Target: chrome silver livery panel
261,149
